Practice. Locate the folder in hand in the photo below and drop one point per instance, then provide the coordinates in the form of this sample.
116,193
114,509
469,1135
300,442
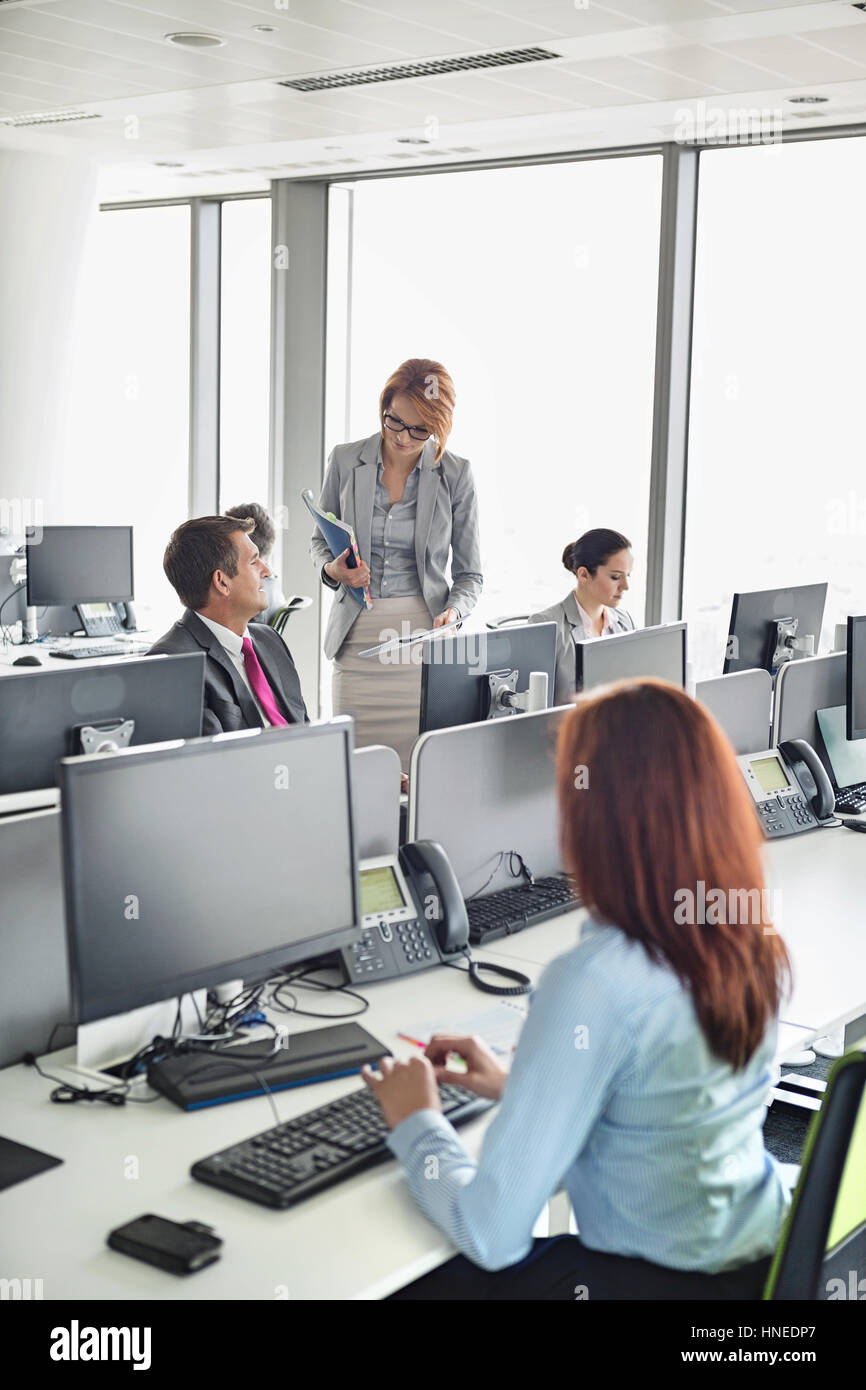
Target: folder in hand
338,535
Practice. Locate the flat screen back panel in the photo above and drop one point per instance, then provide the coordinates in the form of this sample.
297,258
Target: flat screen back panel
487,788
751,615
220,859
650,651
804,687
741,704
80,564
454,672
42,712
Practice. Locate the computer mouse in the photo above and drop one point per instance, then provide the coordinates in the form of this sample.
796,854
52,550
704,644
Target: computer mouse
26,661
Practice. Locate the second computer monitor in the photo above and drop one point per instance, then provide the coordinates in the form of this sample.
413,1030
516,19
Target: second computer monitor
80,564
649,651
43,714
224,858
455,671
754,636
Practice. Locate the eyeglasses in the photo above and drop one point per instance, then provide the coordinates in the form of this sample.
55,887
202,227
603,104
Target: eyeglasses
393,422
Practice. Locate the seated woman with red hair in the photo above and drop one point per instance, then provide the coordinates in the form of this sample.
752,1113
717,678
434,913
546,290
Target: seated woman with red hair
643,1070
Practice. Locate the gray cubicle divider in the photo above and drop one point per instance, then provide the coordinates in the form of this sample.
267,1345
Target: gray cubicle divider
804,687
34,979
376,795
481,789
741,703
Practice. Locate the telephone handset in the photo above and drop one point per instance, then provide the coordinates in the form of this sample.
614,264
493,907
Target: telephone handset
413,916
790,787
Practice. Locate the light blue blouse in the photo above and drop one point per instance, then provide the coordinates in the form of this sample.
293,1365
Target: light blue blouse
613,1092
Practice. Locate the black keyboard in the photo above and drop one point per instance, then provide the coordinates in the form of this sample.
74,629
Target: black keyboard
851,801
512,909
85,653
283,1165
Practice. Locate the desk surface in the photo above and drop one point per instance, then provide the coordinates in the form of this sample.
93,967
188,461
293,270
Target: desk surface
361,1239
9,654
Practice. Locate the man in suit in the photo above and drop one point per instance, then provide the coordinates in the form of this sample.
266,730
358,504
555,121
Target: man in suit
250,678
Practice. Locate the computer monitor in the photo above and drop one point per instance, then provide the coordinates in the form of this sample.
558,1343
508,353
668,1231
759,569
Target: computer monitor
224,858
772,626
855,689
649,651
455,672
80,564
43,713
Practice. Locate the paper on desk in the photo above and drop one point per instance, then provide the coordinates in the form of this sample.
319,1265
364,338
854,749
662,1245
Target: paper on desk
499,1026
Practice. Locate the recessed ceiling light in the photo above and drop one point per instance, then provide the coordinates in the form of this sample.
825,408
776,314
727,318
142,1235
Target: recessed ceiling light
808,101
264,29
166,164
413,140
190,40
806,115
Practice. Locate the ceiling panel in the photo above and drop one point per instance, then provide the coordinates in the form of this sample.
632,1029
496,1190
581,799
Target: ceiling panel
629,75
799,62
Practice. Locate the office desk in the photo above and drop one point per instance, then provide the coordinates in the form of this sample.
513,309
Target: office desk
361,1239
9,655
820,880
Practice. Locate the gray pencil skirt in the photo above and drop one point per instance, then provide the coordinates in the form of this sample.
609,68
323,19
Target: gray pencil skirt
382,694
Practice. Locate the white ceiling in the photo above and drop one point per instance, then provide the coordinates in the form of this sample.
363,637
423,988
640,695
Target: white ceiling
625,72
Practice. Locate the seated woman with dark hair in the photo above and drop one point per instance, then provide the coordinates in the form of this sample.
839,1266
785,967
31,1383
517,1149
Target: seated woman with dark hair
642,1073
601,562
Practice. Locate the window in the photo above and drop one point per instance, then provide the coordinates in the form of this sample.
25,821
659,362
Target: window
775,488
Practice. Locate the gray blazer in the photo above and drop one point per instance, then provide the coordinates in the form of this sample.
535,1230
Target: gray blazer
569,629
446,519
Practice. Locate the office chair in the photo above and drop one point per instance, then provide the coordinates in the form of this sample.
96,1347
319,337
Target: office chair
512,620
293,605
824,1239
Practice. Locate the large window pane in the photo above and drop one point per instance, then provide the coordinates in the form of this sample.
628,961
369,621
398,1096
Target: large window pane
777,485
128,432
536,288
245,325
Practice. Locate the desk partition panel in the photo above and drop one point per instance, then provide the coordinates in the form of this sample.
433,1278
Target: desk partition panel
376,793
482,790
804,687
740,702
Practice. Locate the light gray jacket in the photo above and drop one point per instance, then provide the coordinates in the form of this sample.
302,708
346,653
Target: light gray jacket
446,519
569,629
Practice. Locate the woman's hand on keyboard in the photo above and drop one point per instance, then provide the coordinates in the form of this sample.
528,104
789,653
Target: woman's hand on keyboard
401,1088
484,1074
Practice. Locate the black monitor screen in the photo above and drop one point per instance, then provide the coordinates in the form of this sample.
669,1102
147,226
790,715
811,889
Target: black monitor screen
80,564
223,858
650,651
456,670
751,637
855,696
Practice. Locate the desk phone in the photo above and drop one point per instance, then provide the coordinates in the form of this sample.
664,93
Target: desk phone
790,788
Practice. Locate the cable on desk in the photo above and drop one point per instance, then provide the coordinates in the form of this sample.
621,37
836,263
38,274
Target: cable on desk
303,980
521,870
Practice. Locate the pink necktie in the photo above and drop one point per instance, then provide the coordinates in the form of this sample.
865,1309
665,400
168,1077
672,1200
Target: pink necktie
259,682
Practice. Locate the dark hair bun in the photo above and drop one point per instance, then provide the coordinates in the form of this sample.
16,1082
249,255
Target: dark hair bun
593,548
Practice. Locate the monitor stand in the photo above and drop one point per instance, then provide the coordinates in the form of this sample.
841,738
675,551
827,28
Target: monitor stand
111,1041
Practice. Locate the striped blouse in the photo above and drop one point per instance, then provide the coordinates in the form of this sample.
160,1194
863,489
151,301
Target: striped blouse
615,1094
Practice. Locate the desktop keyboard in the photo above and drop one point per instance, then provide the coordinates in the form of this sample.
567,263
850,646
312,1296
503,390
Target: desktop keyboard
79,653
512,909
283,1165
851,801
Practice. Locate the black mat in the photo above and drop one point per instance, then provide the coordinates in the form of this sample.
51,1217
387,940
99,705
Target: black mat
17,1162
784,1133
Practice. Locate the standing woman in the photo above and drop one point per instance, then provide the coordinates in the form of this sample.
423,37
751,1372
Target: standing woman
412,506
601,562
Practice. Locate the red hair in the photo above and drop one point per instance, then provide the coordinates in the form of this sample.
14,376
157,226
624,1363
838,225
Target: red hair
430,390
653,808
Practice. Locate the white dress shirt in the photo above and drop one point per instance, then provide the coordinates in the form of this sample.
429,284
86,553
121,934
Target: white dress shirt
234,648
588,628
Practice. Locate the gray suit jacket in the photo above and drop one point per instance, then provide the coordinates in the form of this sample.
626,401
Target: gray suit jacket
446,519
228,705
569,629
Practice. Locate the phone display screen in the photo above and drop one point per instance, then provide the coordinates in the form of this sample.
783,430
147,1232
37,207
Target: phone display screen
380,891
770,774
97,610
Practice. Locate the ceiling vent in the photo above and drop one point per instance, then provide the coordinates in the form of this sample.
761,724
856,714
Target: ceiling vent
49,118
426,67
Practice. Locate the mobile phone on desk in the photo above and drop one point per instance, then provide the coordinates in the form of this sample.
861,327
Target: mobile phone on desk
179,1248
